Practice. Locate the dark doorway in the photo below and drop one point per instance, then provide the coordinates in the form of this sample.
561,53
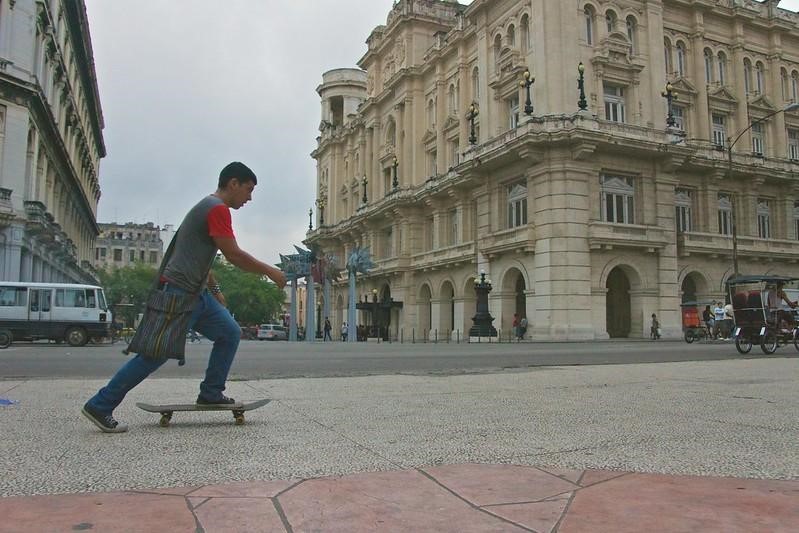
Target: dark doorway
521,299
617,310
688,289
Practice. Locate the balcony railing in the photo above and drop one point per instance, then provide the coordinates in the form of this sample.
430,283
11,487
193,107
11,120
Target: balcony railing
713,243
610,235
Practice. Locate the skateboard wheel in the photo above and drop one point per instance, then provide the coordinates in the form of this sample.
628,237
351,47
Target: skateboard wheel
239,419
165,418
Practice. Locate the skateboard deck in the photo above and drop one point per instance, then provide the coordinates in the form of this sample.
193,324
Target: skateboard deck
166,410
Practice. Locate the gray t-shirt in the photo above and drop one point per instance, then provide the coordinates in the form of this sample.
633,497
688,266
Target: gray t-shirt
194,249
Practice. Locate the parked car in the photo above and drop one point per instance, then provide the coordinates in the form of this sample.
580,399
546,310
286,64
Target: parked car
272,332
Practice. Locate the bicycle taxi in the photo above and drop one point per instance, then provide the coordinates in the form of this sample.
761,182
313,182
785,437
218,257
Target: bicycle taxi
693,327
761,314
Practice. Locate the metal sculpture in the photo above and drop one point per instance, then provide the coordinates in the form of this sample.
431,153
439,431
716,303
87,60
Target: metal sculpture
359,261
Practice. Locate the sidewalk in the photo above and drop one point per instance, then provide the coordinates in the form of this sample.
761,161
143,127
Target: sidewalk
698,446
456,498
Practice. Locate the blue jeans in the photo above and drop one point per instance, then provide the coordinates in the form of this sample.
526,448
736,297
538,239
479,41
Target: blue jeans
209,318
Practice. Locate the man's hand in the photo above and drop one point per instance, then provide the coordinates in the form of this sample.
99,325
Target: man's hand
241,259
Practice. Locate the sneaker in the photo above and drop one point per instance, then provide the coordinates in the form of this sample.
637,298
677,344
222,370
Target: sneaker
106,423
222,401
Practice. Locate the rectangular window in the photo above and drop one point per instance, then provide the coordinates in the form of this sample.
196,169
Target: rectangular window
682,203
141,255
102,253
793,144
719,130
763,219
73,298
454,155
513,112
117,254
430,233
453,226
517,205
725,214
614,103
13,296
618,199
153,257
758,139
388,243
679,117
131,255
432,163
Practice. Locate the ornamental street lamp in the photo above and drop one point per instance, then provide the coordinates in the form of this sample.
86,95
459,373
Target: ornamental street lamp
395,182
670,94
364,181
471,115
320,203
581,103
730,143
310,219
526,83
482,319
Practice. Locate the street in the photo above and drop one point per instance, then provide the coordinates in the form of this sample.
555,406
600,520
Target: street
271,360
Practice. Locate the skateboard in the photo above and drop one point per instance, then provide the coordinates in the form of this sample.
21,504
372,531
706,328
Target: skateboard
166,410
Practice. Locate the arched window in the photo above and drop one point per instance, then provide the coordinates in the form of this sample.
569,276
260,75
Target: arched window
760,78
476,84
610,20
747,76
709,70
497,50
391,133
525,29
589,24
632,33
667,57
784,84
681,59
511,35
722,68
795,86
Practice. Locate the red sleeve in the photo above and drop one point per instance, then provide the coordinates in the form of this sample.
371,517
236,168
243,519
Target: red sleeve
219,222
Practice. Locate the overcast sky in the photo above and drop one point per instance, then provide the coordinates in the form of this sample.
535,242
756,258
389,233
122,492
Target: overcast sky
187,86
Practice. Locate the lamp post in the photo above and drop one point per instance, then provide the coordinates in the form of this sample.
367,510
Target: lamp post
310,219
471,115
581,103
527,82
375,324
364,181
670,94
730,143
395,181
320,203
482,319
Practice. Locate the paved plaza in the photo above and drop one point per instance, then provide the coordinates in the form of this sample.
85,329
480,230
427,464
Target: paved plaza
412,453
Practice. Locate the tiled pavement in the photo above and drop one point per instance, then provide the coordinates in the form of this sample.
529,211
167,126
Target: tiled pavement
460,498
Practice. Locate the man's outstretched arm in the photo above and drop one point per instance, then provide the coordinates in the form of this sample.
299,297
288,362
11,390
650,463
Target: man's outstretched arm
241,259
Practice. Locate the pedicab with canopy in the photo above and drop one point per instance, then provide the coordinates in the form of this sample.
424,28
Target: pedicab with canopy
761,314
693,327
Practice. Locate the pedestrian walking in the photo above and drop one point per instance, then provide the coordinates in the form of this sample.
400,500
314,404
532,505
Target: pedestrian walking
327,329
344,331
522,327
516,326
654,329
184,273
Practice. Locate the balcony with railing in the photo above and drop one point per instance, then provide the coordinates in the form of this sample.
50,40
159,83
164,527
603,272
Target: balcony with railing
517,240
698,243
609,235
36,214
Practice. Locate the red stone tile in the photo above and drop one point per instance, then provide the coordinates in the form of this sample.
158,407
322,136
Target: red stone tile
176,491
244,489
591,477
570,475
226,515
495,484
114,511
539,516
383,501
194,502
649,502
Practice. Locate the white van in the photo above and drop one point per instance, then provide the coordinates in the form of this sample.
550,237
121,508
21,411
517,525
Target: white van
55,311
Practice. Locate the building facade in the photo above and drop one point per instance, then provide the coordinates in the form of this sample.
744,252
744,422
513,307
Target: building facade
122,245
51,142
586,221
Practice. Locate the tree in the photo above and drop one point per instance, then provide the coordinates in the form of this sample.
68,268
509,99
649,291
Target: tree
251,298
128,285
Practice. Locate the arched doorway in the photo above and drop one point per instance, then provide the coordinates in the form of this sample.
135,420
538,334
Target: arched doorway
688,289
521,299
514,301
617,310
424,312
447,312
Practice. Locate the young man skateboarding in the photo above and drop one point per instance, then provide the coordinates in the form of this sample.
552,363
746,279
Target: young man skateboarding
205,230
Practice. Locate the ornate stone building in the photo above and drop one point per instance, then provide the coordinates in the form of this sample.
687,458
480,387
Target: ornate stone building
51,142
121,245
587,222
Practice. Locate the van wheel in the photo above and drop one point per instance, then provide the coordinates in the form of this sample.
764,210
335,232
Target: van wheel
5,339
76,336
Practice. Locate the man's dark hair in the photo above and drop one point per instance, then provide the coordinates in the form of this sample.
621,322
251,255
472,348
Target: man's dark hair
237,170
